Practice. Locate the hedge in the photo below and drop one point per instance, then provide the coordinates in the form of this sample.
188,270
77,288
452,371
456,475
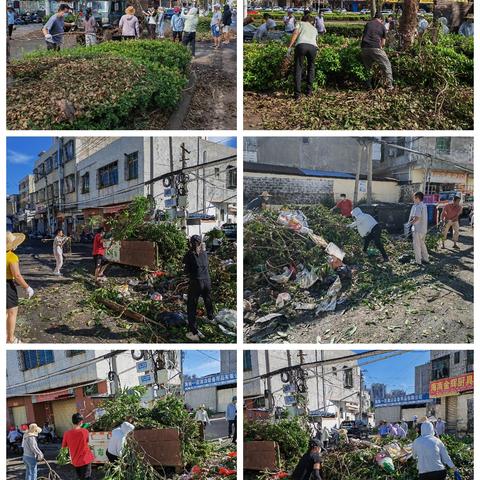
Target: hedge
116,79
352,30
329,17
340,63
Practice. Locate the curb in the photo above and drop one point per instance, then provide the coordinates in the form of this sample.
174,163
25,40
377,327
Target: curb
175,121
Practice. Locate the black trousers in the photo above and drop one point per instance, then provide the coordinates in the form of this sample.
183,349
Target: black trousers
10,30
111,457
176,35
151,30
84,472
53,46
310,52
438,475
231,425
234,438
197,289
189,38
375,236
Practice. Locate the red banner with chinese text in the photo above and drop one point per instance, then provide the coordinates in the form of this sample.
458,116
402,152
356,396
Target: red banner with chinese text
451,386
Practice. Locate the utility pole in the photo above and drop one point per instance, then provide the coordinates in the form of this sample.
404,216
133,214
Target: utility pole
61,190
361,394
184,186
323,382
357,176
269,381
368,149
113,376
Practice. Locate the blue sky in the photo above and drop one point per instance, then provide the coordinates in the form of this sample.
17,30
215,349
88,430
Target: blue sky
21,155
396,372
201,362
22,152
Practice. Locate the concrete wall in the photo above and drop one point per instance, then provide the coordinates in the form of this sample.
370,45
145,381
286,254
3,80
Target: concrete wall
388,414
382,191
228,361
409,413
422,378
202,396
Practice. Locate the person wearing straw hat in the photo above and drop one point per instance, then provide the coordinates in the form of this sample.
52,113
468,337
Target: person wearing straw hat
31,453
129,24
13,277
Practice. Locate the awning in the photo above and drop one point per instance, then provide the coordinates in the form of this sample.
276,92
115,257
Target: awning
54,395
109,209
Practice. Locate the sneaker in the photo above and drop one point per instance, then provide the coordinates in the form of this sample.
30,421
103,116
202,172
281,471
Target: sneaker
191,336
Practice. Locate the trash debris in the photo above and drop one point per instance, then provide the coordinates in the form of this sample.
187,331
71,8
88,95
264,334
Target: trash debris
305,306
156,297
227,332
282,299
227,318
283,277
306,278
171,319
268,318
329,303
385,461
294,220
335,251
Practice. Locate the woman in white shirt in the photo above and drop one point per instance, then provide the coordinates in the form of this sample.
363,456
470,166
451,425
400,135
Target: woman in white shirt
151,16
58,242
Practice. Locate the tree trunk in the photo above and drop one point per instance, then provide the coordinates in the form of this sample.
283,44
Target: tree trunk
408,23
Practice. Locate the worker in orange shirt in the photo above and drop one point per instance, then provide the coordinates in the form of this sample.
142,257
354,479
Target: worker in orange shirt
344,205
450,218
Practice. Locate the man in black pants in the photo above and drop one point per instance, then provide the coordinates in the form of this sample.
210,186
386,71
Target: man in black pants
369,230
310,463
196,267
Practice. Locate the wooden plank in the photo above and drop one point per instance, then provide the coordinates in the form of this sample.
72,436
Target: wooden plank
260,455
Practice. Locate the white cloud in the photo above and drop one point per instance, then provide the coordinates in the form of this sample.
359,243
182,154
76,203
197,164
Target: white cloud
19,158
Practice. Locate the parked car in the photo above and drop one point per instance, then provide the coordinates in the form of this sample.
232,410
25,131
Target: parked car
230,231
364,11
169,13
340,10
325,10
356,428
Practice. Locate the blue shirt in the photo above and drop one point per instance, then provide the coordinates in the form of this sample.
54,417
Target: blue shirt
231,412
383,430
11,18
55,27
177,23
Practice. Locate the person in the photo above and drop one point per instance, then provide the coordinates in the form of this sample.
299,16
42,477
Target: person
231,415
99,254
116,443
190,28
129,25
390,24
201,416
90,27
226,22
10,21
422,25
47,431
372,52
14,436
31,453
320,24
443,23
14,240
345,206
451,219
310,463
404,426
215,26
161,23
58,242
383,430
466,28
267,25
76,440
325,437
177,24
54,29
399,431
369,230
196,267
440,427
392,431
234,437
151,18
431,455
289,21
305,40
419,222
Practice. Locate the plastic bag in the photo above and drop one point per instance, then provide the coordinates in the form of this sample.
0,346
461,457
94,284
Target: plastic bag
294,220
335,251
385,462
306,278
227,317
329,303
282,299
283,277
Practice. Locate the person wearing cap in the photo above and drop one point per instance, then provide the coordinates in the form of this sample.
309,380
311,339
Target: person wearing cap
231,416
373,41
76,440
151,18
14,277
54,29
310,463
215,26
117,441
289,21
129,25
344,205
226,22
196,267
31,453
431,455
190,28
451,219
177,24
369,230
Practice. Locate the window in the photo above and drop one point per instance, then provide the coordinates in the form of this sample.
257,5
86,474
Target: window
70,183
52,190
48,165
131,166
441,368
456,357
108,175
69,149
41,196
89,390
443,145
86,183
217,172
348,378
35,358
247,361
231,177
469,361
334,370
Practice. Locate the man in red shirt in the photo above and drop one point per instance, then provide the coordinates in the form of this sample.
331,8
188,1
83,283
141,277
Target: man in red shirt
344,205
450,218
99,253
76,440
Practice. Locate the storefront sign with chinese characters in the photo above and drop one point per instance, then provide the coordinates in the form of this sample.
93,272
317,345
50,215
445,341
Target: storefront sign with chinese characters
451,386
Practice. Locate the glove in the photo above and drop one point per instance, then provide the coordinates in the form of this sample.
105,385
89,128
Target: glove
48,37
289,51
30,292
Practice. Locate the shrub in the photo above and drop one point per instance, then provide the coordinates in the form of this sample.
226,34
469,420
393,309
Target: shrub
352,30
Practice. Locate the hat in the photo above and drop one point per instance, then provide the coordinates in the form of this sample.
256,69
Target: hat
195,239
176,9
14,240
265,194
130,10
33,430
314,443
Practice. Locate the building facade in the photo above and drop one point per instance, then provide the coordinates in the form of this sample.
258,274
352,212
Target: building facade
422,378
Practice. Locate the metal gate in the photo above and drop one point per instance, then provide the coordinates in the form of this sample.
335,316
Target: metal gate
451,413
62,415
19,415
